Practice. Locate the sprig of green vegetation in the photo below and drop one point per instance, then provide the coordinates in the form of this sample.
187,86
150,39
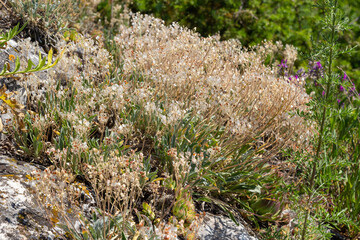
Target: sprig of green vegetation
332,109
31,67
5,37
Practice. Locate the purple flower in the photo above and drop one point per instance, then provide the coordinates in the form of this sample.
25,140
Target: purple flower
315,70
283,64
283,68
345,77
323,93
300,72
341,88
318,64
338,101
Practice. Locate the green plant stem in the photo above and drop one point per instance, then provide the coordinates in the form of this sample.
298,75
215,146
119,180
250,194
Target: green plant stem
328,85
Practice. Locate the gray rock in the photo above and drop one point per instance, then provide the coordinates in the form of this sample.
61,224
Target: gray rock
222,228
20,215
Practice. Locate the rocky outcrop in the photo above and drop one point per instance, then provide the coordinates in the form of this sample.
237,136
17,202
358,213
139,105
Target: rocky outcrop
21,214
219,227
21,217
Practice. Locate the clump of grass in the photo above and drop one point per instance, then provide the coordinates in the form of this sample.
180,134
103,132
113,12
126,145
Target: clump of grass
175,119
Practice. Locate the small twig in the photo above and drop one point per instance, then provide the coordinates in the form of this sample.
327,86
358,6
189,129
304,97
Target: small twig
4,5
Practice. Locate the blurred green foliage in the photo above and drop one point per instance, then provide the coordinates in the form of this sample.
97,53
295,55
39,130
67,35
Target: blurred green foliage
249,21
252,21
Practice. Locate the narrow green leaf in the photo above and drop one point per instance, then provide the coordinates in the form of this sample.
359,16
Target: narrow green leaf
22,28
40,65
210,180
204,199
57,59
17,64
229,213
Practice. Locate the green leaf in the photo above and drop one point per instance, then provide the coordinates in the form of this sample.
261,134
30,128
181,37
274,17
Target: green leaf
123,236
29,66
3,71
42,62
210,180
240,188
50,53
230,214
5,37
40,67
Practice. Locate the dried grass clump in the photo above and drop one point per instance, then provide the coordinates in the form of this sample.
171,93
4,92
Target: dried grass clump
185,72
63,198
118,181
